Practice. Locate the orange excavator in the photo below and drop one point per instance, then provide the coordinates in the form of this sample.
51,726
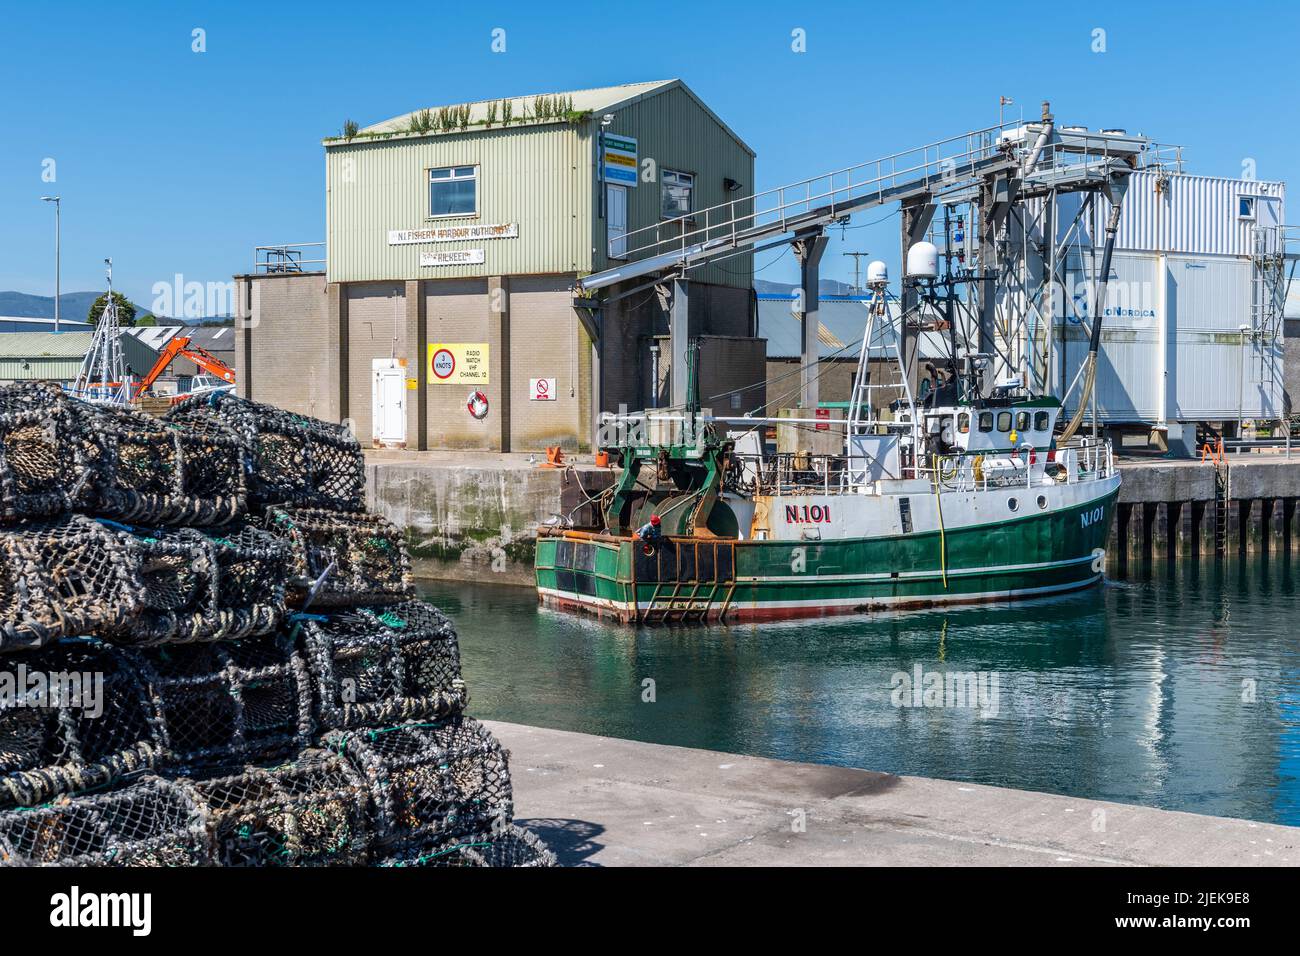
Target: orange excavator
181,347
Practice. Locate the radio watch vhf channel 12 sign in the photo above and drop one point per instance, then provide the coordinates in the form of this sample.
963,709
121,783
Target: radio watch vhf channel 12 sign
458,363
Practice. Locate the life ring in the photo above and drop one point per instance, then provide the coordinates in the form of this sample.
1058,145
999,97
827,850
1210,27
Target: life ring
477,403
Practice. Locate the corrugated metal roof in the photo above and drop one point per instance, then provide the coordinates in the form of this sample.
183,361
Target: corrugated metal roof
213,338
71,345
842,322
23,323
596,100
44,344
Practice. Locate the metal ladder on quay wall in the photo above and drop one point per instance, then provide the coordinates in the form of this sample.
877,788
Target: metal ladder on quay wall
1222,497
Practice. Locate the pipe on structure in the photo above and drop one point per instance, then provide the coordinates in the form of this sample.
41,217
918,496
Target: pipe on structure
1044,135
809,252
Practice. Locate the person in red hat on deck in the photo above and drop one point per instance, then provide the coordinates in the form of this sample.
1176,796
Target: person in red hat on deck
649,531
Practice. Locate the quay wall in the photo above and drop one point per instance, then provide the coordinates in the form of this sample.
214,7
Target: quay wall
1169,510
474,515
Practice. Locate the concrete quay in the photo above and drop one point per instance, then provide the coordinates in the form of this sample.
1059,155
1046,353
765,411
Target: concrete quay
1169,509
474,515
599,801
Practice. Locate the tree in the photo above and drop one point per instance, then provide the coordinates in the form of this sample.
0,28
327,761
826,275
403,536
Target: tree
125,310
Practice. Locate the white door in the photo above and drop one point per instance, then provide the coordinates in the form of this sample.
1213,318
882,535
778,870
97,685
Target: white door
388,388
616,219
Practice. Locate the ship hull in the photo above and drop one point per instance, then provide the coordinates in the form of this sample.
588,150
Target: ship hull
688,579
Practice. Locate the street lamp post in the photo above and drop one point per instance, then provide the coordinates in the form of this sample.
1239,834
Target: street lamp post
58,257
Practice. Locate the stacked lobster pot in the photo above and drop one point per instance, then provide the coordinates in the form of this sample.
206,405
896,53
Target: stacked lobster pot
211,654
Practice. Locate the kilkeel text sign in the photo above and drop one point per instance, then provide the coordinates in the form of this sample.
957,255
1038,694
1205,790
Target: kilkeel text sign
405,237
458,257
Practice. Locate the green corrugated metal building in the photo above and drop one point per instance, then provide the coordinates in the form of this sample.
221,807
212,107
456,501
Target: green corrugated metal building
57,356
452,232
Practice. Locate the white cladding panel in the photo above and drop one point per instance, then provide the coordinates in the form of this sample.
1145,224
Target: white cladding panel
1192,215
1180,355
1207,295
1195,215
1132,290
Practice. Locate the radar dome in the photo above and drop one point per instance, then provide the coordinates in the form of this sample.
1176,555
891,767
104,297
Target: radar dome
923,261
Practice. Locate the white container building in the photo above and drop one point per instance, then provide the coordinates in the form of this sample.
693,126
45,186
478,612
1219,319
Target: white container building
1192,329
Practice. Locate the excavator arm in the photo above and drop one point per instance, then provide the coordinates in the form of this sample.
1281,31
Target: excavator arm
180,347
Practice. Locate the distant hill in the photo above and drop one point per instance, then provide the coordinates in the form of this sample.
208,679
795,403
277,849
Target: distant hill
827,286
73,305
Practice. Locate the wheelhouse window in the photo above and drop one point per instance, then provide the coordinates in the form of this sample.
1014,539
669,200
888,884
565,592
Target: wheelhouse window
986,421
453,191
1022,421
963,423
676,191
1004,421
1040,421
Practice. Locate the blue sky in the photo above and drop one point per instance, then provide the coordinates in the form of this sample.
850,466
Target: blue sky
173,161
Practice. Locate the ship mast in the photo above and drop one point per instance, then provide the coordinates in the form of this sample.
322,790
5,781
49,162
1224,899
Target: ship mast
103,374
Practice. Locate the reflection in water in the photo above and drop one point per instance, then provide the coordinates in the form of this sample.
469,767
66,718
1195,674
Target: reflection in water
1172,687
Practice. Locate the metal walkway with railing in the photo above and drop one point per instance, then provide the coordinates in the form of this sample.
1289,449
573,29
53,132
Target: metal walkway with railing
806,207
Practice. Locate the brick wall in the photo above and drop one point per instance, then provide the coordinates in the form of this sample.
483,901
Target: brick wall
286,354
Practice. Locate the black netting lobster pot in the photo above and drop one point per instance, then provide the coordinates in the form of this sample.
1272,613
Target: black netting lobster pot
85,720
152,822
309,812
155,474
342,558
290,458
229,703
63,578
375,667
430,781
252,572
79,575
45,466
512,847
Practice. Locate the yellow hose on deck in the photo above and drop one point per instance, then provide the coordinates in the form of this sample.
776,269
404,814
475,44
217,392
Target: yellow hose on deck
943,541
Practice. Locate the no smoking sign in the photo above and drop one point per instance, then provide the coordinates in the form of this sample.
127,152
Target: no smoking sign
541,389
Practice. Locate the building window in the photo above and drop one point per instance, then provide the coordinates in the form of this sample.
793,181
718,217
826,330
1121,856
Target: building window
453,191
676,189
1245,207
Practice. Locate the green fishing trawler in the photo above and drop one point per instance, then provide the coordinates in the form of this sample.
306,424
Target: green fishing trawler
956,498
977,488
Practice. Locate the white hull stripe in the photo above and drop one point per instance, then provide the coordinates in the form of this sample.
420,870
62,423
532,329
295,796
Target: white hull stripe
937,598
917,575
869,602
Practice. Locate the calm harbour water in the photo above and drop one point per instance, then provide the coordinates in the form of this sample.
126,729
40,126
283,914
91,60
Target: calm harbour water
1170,687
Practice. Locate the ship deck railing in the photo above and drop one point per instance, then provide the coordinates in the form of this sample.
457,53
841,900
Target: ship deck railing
798,473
